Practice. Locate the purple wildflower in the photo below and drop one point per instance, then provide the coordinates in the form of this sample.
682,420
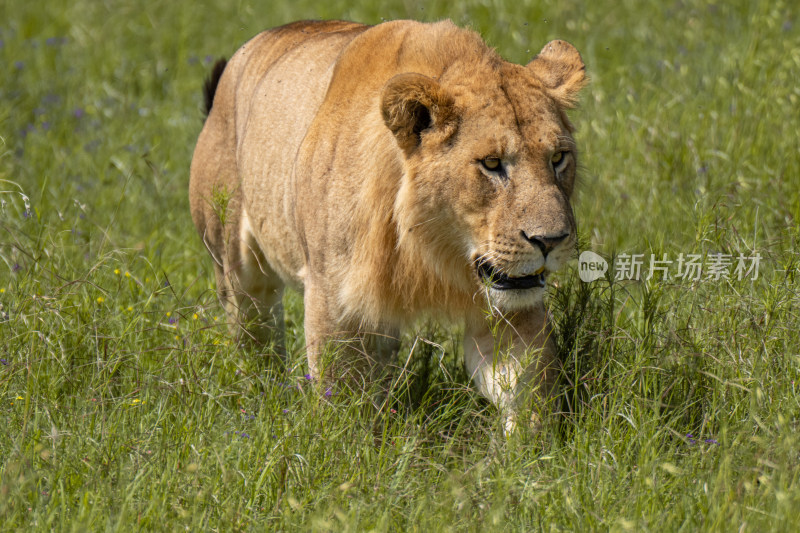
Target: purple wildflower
16,267
4,362
693,440
19,65
285,411
78,112
172,320
208,59
328,393
46,125
26,130
308,377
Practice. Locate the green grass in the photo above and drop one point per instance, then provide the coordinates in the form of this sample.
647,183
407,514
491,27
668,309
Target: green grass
127,406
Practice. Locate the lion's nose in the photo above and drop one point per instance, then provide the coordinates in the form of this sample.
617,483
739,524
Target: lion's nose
545,244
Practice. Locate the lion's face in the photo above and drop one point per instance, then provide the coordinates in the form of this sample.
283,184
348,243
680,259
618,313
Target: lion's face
489,183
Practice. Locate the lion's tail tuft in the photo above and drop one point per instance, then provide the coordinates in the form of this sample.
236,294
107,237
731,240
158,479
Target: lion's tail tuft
211,82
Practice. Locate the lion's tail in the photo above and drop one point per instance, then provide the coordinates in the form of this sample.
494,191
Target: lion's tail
210,85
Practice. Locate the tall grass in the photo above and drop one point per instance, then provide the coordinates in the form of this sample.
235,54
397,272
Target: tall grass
127,406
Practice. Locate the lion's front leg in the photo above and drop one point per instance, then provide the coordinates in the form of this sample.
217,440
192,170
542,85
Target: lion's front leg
512,361
342,351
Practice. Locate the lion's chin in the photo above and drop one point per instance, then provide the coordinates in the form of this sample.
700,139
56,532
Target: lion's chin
515,299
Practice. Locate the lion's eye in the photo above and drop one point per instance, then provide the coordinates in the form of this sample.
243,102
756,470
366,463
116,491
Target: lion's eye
491,163
558,160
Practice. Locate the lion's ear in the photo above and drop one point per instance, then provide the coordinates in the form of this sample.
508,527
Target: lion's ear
560,67
412,103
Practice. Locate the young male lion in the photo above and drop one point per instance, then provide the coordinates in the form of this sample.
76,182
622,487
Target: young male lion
389,172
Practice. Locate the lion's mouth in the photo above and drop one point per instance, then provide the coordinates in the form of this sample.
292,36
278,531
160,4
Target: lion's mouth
502,282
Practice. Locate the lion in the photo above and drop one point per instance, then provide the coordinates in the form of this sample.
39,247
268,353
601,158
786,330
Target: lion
392,172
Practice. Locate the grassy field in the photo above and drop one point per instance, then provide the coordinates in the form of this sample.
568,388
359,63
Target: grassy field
126,406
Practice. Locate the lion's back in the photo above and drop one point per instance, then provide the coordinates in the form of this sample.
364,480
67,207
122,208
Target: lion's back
266,98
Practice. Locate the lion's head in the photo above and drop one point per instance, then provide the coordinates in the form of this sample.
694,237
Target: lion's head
489,170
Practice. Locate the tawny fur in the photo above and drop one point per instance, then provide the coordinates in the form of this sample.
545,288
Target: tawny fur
349,161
